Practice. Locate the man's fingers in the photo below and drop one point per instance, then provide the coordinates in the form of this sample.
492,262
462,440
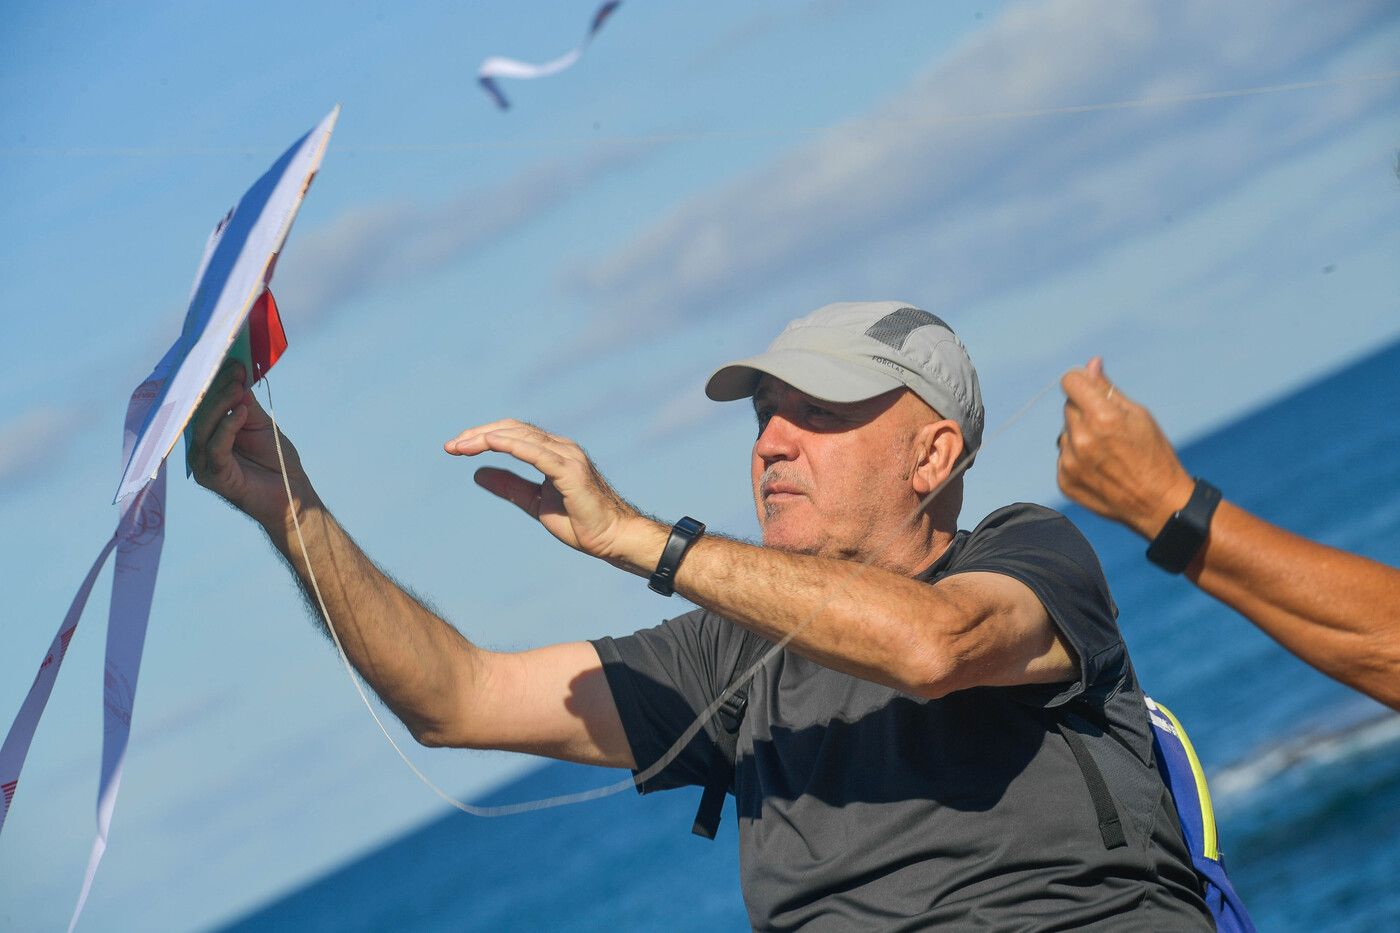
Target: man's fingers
218,452
516,490
221,399
257,415
524,441
469,442
1074,418
474,441
1098,377
1085,390
525,446
472,433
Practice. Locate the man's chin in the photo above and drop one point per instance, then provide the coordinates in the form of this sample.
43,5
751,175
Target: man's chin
789,544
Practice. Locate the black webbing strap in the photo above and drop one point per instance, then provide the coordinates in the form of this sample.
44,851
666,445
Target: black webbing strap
728,717
1110,827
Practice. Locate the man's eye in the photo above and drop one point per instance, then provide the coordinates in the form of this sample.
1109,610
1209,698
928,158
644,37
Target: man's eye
763,416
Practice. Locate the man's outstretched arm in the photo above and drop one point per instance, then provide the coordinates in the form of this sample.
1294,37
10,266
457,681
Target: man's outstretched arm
971,629
1337,611
553,701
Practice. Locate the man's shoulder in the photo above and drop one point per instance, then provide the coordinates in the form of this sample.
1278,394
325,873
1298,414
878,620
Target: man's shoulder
1021,514
1022,527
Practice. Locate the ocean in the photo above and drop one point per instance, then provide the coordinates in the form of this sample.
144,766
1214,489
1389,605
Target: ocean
1306,773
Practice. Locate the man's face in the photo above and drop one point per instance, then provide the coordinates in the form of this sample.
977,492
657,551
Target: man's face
833,478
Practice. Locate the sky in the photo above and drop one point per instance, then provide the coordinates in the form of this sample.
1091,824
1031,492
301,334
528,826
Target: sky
1204,194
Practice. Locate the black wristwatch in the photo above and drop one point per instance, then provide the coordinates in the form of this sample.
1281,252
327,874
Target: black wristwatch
683,535
1184,533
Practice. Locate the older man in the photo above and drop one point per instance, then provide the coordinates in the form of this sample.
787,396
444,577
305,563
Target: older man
911,758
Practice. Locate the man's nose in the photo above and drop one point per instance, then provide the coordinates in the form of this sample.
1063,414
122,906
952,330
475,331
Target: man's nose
777,440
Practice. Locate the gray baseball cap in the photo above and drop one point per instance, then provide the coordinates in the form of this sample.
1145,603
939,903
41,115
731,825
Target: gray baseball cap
855,350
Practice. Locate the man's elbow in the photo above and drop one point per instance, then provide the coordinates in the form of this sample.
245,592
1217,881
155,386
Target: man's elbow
429,734
932,689
445,732
932,675
1382,683
433,737
429,737
445,716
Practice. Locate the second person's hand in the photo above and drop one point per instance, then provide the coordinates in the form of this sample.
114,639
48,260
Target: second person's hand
1114,459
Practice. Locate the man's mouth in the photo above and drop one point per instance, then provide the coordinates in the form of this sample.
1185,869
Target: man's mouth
779,490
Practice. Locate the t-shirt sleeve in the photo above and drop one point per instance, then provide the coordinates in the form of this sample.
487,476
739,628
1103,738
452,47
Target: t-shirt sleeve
1045,551
662,678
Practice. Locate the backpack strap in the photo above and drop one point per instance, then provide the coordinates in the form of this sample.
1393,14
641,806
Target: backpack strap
1186,781
1182,772
1110,825
728,717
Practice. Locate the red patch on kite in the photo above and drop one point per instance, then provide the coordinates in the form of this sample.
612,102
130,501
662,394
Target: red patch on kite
265,333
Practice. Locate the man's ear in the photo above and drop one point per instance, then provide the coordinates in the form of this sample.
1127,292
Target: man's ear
937,446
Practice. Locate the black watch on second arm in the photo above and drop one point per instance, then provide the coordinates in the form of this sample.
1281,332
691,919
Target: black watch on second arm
1182,536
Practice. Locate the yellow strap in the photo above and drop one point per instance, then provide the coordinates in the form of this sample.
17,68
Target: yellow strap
1210,842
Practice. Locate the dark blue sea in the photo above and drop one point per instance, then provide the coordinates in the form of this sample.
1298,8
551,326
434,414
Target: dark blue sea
1306,773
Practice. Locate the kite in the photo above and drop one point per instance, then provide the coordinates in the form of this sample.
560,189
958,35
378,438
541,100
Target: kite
496,67
231,314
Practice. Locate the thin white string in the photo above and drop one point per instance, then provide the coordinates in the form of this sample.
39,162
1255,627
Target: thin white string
858,127
674,751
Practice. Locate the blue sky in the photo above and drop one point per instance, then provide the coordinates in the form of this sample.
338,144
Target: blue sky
704,174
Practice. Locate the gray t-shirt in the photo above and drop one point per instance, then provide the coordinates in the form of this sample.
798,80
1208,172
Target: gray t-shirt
862,808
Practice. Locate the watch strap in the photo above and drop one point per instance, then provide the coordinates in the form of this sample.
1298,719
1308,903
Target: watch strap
1180,539
683,534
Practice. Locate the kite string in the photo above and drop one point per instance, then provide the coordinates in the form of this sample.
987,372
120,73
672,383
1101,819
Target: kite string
856,128
355,680
641,777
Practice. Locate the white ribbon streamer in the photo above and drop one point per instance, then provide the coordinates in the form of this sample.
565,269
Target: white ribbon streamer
497,67
16,747
140,536
137,541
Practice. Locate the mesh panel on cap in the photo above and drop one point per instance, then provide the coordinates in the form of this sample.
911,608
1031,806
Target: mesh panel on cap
894,328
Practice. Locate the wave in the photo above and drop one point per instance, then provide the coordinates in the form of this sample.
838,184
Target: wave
1302,758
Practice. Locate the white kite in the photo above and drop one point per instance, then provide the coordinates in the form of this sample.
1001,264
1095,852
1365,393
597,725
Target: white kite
231,314
496,67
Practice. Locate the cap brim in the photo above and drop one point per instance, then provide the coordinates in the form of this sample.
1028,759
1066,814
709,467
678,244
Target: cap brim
830,378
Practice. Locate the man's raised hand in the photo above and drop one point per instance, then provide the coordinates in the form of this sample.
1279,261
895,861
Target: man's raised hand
234,453
574,502
1114,459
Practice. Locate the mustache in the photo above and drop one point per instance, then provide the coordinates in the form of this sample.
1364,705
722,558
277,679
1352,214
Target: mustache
784,478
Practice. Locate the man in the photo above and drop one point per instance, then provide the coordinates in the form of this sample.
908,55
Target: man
901,764
1337,611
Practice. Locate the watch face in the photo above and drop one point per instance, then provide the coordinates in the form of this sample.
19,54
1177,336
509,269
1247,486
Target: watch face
1181,537
690,526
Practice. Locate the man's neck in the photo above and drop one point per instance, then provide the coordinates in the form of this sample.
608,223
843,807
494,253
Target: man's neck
918,553
939,542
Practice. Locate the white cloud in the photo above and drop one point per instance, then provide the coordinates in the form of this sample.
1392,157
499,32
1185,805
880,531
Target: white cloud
915,200
376,246
32,442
